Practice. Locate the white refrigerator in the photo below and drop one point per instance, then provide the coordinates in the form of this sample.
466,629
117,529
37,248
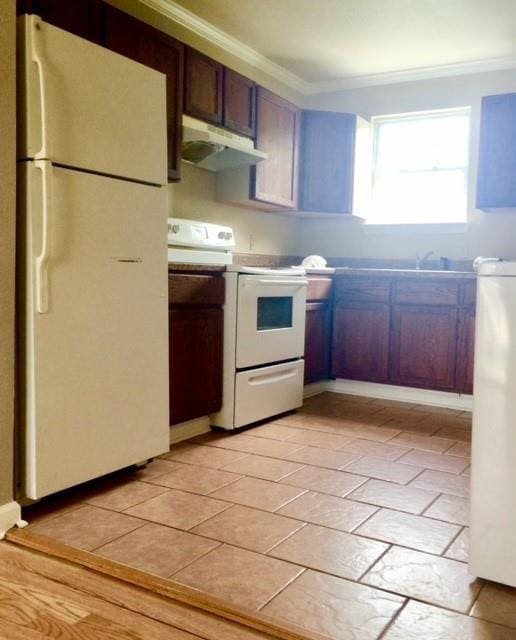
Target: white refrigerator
92,261
493,467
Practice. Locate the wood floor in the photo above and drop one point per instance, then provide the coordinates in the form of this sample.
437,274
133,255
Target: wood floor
41,597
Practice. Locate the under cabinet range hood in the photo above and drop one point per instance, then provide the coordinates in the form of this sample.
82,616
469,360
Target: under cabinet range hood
216,149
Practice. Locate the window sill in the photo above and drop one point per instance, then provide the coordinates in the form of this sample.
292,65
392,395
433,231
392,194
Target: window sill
443,228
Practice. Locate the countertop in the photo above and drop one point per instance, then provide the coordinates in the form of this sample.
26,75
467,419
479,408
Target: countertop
405,273
184,267
177,267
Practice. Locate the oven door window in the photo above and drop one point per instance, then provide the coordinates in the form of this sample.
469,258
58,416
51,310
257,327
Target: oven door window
274,313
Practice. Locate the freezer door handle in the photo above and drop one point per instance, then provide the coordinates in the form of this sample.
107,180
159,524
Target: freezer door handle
41,276
35,34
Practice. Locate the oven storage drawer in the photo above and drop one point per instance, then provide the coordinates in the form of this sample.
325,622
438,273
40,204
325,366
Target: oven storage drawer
267,391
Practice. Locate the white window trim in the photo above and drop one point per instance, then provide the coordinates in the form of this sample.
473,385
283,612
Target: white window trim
454,226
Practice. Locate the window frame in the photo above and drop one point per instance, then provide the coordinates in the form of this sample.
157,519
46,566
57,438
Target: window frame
375,220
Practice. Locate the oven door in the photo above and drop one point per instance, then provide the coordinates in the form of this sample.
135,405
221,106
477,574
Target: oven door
270,319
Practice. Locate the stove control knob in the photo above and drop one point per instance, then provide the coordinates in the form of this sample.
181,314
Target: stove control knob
222,235
175,228
228,235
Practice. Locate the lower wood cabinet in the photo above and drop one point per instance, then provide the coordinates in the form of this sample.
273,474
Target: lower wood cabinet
405,331
361,340
195,345
317,342
318,328
423,346
466,350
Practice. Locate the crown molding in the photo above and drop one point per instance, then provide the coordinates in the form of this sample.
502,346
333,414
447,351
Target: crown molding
228,43
237,48
412,75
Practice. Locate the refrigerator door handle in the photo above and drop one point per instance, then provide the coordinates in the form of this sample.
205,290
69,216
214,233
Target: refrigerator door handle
35,31
42,260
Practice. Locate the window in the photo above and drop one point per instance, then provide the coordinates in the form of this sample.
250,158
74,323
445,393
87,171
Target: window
420,168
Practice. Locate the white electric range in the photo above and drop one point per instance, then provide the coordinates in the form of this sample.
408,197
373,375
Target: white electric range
264,326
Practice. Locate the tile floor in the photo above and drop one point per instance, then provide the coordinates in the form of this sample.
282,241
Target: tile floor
348,517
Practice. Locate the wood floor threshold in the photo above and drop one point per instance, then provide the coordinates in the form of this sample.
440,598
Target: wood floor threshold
161,586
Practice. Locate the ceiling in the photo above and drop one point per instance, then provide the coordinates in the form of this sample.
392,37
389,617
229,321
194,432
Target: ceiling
324,41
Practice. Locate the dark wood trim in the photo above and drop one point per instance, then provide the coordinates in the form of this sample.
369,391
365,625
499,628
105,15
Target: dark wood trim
154,584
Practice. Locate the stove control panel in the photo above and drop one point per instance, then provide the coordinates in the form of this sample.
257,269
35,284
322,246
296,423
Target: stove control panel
199,235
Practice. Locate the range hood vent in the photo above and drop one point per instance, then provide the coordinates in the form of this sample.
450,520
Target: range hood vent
216,149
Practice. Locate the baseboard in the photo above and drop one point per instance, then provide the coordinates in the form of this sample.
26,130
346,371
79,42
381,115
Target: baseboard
446,399
189,429
10,516
315,388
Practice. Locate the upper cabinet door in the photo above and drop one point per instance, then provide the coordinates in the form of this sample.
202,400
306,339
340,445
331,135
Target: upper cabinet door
496,186
81,17
203,87
275,180
239,103
327,161
137,40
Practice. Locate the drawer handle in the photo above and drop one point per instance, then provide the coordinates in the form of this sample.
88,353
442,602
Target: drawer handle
270,378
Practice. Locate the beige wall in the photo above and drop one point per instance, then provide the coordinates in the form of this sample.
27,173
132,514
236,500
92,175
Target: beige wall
7,220
487,233
255,231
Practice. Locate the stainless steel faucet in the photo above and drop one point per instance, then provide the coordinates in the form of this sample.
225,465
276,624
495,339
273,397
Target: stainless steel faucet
420,262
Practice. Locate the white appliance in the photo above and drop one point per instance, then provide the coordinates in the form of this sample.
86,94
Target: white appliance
216,149
92,260
493,471
191,241
264,334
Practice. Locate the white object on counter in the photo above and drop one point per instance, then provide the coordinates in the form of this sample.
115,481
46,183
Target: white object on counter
493,471
314,262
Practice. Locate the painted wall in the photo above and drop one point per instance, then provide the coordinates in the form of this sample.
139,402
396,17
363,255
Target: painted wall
193,197
487,233
7,222
255,231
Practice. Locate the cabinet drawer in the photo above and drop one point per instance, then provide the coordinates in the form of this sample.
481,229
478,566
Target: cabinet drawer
469,293
366,289
319,288
422,291
195,289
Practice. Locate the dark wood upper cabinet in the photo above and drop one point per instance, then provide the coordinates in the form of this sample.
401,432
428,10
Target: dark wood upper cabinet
239,111
203,87
496,186
81,17
327,161
141,42
275,180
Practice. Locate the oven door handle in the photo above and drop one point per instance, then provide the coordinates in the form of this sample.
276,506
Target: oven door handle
296,284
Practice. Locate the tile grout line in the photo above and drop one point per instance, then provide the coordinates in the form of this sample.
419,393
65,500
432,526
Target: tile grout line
463,527
391,622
